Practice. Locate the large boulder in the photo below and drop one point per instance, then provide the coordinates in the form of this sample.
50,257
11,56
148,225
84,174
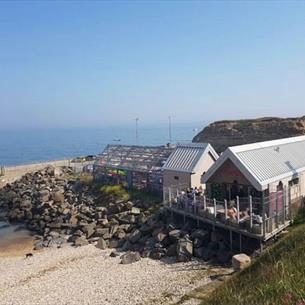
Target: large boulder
157,253
81,241
160,237
38,245
240,261
26,203
134,236
114,243
130,257
172,250
120,234
174,235
89,229
100,232
44,195
101,244
135,211
58,197
141,218
199,252
184,249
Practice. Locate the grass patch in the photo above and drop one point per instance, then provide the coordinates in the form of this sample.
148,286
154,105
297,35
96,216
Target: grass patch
275,278
113,192
151,200
86,179
299,219
118,192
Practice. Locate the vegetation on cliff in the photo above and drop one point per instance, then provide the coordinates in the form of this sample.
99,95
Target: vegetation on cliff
277,277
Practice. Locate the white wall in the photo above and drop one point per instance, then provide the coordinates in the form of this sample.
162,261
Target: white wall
203,167
192,180
169,178
295,191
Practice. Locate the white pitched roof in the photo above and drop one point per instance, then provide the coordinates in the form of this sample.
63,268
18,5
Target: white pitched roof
265,162
187,157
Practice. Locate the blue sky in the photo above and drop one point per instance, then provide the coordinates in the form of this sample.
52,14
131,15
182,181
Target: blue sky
99,63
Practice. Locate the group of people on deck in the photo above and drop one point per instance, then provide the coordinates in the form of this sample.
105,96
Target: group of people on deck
193,192
192,198
189,198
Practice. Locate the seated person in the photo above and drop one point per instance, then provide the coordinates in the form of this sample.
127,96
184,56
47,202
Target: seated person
232,213
244,213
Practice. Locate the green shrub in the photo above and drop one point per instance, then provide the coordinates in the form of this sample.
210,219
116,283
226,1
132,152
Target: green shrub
86,179
115,192
300,218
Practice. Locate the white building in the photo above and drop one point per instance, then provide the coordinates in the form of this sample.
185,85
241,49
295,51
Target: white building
261,167
187,164
271,173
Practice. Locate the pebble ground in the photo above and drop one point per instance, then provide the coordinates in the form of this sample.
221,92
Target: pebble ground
87,275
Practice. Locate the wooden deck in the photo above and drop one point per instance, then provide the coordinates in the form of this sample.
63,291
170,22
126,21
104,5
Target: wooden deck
232,228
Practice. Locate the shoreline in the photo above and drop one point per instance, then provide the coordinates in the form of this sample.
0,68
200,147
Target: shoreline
20,247
15,240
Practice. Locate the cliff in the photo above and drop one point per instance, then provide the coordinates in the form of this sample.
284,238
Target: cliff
223,134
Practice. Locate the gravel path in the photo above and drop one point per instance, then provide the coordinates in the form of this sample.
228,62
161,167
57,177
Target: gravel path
88,275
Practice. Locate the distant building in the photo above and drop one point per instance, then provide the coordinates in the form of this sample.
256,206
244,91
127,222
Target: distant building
134,166
187,164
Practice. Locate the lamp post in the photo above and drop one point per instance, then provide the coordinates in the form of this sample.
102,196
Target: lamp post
137,135
170,128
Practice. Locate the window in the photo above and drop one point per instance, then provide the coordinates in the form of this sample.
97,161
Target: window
176,178
212,157
294,181
280,186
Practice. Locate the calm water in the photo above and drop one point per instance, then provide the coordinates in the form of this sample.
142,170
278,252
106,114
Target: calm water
14,238
29,146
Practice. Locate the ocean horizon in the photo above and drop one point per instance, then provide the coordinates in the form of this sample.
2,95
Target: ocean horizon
28,146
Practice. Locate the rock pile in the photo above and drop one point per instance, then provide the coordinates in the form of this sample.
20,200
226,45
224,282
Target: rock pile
62,210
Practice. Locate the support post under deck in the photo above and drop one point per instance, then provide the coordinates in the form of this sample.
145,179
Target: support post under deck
231,241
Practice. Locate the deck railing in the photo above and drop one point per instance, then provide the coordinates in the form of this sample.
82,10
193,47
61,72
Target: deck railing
257,215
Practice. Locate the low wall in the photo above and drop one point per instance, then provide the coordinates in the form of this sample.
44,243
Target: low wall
12,173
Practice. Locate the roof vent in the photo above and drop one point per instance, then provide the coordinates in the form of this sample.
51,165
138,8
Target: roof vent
277,149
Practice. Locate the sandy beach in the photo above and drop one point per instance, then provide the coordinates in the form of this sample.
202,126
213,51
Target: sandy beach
87,275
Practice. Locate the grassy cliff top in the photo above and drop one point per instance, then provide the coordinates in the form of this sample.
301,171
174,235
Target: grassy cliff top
223,134
277,277
258,120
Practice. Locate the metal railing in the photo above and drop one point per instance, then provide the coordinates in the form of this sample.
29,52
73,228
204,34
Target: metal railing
257,215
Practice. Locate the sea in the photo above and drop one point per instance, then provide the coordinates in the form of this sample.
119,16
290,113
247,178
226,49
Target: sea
36,145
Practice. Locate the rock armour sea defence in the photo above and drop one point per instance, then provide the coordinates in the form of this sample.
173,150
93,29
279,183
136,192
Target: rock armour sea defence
60,209
223,134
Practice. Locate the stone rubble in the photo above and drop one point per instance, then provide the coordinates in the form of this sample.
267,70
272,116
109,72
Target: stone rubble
61,209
